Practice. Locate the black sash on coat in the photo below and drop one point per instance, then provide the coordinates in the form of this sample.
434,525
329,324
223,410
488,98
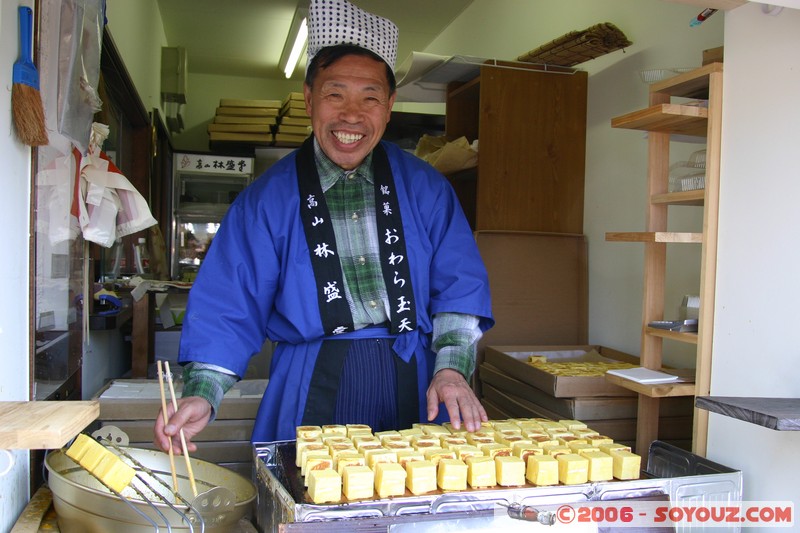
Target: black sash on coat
320,237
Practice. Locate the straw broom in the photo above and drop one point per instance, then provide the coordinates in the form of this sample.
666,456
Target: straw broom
26,102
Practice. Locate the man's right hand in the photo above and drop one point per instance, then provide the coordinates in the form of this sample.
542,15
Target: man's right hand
192,416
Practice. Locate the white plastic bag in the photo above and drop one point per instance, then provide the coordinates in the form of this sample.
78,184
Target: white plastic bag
110,205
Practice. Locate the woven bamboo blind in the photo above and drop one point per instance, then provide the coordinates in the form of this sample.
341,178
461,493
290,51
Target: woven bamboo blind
578,46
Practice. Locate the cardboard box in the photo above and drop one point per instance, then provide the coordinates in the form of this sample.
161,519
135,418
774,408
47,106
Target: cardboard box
538,283
218,430
713,55
539,287
586,409
513,361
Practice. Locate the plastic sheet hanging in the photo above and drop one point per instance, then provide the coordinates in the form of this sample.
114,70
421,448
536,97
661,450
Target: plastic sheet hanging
109,206
80,42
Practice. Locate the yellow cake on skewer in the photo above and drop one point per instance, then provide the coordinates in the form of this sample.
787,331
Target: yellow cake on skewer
104,464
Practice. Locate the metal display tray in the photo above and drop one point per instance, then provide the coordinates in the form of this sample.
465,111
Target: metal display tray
672,473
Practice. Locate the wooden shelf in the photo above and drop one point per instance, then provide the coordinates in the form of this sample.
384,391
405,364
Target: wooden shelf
692,84
716,4
689,338
654,236
781,414
654,390
44,425
666,118
696,197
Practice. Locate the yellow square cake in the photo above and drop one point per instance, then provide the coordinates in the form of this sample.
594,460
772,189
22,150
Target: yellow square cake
390,479
358,482
325,486
481,471
420,477
510,470
542,470
572,469
452,474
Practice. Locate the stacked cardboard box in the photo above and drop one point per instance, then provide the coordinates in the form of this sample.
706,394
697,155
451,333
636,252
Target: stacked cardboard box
512,387
132,405
244,121
293,124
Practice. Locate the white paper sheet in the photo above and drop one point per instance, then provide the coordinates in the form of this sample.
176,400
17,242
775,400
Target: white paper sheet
423,77
644,375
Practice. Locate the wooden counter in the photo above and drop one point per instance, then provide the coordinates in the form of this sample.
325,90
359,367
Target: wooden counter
41,425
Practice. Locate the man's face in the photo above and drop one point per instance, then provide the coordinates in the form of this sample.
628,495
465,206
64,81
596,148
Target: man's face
349,106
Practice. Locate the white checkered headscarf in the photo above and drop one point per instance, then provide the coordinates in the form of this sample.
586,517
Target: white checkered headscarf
335,22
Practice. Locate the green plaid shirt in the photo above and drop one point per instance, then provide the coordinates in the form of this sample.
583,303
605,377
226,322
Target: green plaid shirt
350,196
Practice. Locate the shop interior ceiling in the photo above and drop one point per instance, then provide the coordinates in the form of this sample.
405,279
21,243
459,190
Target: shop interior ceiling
246,37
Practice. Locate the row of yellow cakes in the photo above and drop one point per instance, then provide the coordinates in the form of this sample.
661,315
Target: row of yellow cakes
353,462
575,368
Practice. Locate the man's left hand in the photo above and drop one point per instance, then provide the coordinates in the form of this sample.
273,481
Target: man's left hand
448,386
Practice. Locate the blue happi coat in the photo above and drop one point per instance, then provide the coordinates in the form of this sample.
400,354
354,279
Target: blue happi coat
257,282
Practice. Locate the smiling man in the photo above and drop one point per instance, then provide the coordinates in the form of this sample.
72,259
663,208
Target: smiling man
352,255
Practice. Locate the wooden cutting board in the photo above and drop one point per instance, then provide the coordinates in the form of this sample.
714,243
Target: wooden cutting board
43,425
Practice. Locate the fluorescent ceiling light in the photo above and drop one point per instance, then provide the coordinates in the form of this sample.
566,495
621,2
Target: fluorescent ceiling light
295,43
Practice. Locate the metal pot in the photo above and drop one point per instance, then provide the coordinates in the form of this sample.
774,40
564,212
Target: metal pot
84,505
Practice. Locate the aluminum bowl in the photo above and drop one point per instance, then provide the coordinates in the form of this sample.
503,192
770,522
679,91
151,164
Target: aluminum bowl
84,505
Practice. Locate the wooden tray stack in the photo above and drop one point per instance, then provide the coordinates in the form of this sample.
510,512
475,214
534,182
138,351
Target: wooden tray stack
293,124
512,388
244,121
132,405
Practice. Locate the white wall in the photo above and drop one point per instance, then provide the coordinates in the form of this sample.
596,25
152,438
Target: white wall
137,31
758,286
138,34
14,312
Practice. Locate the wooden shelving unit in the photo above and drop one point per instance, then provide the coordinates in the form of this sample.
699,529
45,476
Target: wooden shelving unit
669,118
653,390
655,236
661,119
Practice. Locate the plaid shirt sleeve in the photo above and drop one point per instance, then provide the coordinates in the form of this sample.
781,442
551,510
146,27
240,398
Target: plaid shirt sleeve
209,382
455,338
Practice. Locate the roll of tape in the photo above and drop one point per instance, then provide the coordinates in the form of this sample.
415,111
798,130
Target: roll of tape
6,462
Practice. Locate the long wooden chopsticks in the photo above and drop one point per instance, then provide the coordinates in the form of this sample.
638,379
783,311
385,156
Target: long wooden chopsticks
183,437
166,420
